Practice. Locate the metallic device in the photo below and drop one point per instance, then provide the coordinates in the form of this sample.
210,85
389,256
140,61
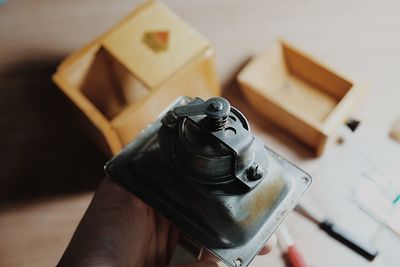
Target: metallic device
201,168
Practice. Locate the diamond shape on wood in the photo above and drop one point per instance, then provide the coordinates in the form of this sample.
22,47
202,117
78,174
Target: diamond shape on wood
156,40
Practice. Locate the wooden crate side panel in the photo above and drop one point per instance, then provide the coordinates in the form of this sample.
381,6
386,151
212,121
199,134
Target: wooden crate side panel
267,71
305,132
308,69
74,71
344,107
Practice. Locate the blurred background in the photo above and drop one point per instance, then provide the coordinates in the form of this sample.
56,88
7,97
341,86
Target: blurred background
50,169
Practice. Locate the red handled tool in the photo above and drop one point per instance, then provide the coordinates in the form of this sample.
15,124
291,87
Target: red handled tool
292,254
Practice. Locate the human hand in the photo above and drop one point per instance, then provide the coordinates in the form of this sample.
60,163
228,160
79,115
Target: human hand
118,229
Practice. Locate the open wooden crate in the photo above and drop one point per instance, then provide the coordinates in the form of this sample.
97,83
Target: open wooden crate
298,94
122,81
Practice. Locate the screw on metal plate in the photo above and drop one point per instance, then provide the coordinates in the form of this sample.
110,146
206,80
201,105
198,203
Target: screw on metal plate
238,262
305,179
110,168
254,172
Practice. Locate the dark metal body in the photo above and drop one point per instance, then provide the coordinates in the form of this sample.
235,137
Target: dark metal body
212,178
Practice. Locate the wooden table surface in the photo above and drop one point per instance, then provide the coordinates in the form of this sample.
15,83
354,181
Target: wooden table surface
49,170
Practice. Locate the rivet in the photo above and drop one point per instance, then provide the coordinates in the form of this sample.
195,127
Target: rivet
254,172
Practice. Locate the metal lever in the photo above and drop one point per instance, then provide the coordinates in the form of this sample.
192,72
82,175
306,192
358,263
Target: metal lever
216,107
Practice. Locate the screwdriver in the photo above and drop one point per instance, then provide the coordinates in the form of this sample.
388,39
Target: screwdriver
286,242
358,245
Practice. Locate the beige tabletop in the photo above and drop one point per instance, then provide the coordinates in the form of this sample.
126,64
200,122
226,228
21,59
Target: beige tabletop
49,170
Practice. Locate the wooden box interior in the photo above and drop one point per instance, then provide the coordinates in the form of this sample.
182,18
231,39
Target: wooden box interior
301,86
298,94
105,82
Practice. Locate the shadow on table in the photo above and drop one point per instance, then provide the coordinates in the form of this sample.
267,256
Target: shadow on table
232,91
43,150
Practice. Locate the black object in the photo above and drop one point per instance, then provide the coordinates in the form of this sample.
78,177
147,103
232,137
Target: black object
201,168
357,244
352,124
361,247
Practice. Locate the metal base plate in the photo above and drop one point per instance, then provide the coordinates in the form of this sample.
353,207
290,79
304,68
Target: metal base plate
119,169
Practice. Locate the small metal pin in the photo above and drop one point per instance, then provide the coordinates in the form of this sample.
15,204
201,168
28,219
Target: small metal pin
169,119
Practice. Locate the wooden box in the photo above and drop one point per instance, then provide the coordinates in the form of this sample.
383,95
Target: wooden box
298,94
123,80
